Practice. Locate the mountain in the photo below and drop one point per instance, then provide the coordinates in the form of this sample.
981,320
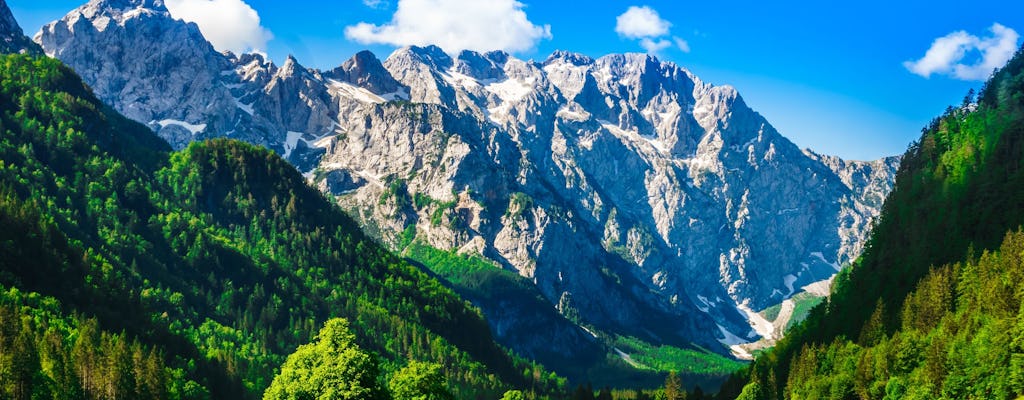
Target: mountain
129,270
12,38
637,200
932,308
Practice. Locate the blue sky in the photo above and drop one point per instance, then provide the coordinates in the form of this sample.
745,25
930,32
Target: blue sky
832,76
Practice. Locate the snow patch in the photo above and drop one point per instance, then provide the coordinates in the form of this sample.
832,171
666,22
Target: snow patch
101,23
291,142
788,280
634,136
193,128
730,339
761,325
459,79
818,255
401,94
511,90
354,92
573,113
704,300
244,107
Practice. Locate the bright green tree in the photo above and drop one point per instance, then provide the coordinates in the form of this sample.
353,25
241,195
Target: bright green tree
673,387
332,367
420,381
513,395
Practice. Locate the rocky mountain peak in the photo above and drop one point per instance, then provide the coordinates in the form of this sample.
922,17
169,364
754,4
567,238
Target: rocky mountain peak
488,66
122,9
432,56
12,38
365,70
562,56
420,69
290,68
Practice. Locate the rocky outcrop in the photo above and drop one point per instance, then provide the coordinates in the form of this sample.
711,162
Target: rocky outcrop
637,198
12,38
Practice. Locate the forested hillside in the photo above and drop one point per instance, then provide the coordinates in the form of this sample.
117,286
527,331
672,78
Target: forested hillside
932,307
129,271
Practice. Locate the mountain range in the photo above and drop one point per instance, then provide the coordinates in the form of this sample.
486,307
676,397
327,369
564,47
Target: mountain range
131,271
630,196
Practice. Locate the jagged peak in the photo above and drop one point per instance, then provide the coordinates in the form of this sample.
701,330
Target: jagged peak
365,70
101,12
488,65
361,63
431,55
569,57
641,61
126,5
364,57
291,67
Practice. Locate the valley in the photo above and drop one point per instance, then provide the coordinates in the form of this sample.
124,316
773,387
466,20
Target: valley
187,222
505,159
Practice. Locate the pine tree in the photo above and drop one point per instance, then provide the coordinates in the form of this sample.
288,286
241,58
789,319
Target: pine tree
84,356
673,387
24,363
583,393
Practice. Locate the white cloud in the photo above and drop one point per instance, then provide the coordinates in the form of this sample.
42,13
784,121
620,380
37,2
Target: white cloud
455,25
654,46
951,54
641,22
683,45
228,24
375,3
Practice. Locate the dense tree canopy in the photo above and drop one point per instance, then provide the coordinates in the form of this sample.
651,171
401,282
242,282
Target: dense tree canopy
332,367
420,381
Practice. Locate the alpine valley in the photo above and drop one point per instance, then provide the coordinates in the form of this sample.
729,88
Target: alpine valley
619,205
178,222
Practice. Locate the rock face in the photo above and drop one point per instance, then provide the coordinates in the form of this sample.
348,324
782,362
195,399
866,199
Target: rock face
637,198
12,38
163,73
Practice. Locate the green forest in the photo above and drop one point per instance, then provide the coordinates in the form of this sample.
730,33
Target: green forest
131,271
932,308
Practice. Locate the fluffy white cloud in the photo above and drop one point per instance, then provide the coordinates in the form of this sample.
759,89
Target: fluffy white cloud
652,32
228,24
641,22
949,54
683,45
455,25
375,3
654,46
